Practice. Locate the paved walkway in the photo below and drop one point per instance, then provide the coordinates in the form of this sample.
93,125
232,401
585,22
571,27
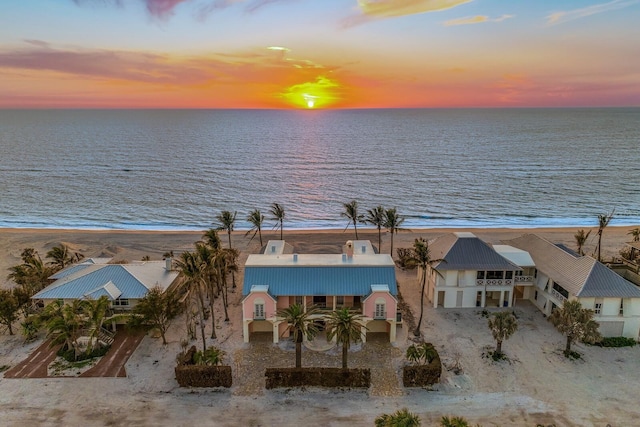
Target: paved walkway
111,365
34,366
377,354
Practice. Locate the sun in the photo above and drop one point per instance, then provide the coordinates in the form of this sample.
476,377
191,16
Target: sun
310,103
318,94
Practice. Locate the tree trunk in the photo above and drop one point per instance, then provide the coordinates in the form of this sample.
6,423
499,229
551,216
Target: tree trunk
423,279
355,228
164,338
299,353
599,242
499,347
567,349
379,240
391,249
10,329
202,325
345,352
260,235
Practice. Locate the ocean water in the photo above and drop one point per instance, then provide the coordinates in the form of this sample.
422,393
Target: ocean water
177,169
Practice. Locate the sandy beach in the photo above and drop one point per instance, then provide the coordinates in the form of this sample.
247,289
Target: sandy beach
538,385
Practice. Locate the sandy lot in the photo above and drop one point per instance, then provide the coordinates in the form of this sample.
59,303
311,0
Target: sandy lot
538,386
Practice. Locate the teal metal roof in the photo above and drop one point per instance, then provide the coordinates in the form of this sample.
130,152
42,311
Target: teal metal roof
320,280
86,284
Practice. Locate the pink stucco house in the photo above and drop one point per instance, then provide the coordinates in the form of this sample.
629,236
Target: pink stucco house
358,278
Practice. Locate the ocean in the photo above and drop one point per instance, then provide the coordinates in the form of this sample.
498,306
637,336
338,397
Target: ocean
177,169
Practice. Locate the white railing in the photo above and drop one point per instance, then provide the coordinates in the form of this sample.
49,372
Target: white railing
558,295
524,279
494,282
258,316
380,315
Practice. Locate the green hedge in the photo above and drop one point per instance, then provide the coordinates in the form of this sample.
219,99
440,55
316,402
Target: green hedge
317,377
422,375
617,342
203,376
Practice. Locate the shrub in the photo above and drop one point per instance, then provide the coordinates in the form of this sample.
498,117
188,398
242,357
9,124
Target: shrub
70,356
401,417
203,376
617,342
317,377
422,375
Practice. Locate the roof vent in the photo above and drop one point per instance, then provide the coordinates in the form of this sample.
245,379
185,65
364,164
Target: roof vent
273,248
364,249
295,257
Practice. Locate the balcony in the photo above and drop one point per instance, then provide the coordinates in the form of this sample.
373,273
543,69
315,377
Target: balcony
524,279
258,316
494,282
558,295
380,315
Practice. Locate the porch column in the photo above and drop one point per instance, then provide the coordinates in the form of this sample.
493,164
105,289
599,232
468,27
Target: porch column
392,331
483,298
276,335
304,303
334,303
501,298
245,330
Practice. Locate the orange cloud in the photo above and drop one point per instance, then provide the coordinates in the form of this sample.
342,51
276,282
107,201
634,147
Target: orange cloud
478,19
391,8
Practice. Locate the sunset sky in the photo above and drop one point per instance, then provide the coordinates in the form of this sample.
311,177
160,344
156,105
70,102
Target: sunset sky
318,53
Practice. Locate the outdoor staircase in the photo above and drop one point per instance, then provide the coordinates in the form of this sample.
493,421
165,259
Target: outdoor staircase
106,336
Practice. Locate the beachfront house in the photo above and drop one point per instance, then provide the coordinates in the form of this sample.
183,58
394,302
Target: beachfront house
357,278
471,273
122,284
561,274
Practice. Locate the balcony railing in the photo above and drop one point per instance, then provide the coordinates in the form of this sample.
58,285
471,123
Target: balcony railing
494,282
558,295
521,279
380,315
258,316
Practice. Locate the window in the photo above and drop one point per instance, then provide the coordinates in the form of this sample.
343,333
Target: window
621,312
480,275
258,311
340,300
518,274
380,312
320,301
121,302
299,300
495,274
562,291
509,274
598,306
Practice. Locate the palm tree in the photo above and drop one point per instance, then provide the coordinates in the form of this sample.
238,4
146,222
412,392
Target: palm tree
603,221
454,422
346,327
351,212
227,221
278,214
422,258
66,325
60,256
256,219
392,223
636,234
96,312
376,217
502,324
32,274
300,325
401,417
207,257
422,354
581,239
211,238
576,323
193,271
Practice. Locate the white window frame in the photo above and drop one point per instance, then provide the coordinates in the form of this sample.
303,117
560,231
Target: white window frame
380,310
124,302
258,310
339,300
299,299
597,307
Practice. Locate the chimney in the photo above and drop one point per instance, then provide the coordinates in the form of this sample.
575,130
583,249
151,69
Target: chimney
168,263
295,257
349,249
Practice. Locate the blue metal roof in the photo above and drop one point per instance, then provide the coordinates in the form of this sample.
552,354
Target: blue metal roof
323,280
77,288
70,270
